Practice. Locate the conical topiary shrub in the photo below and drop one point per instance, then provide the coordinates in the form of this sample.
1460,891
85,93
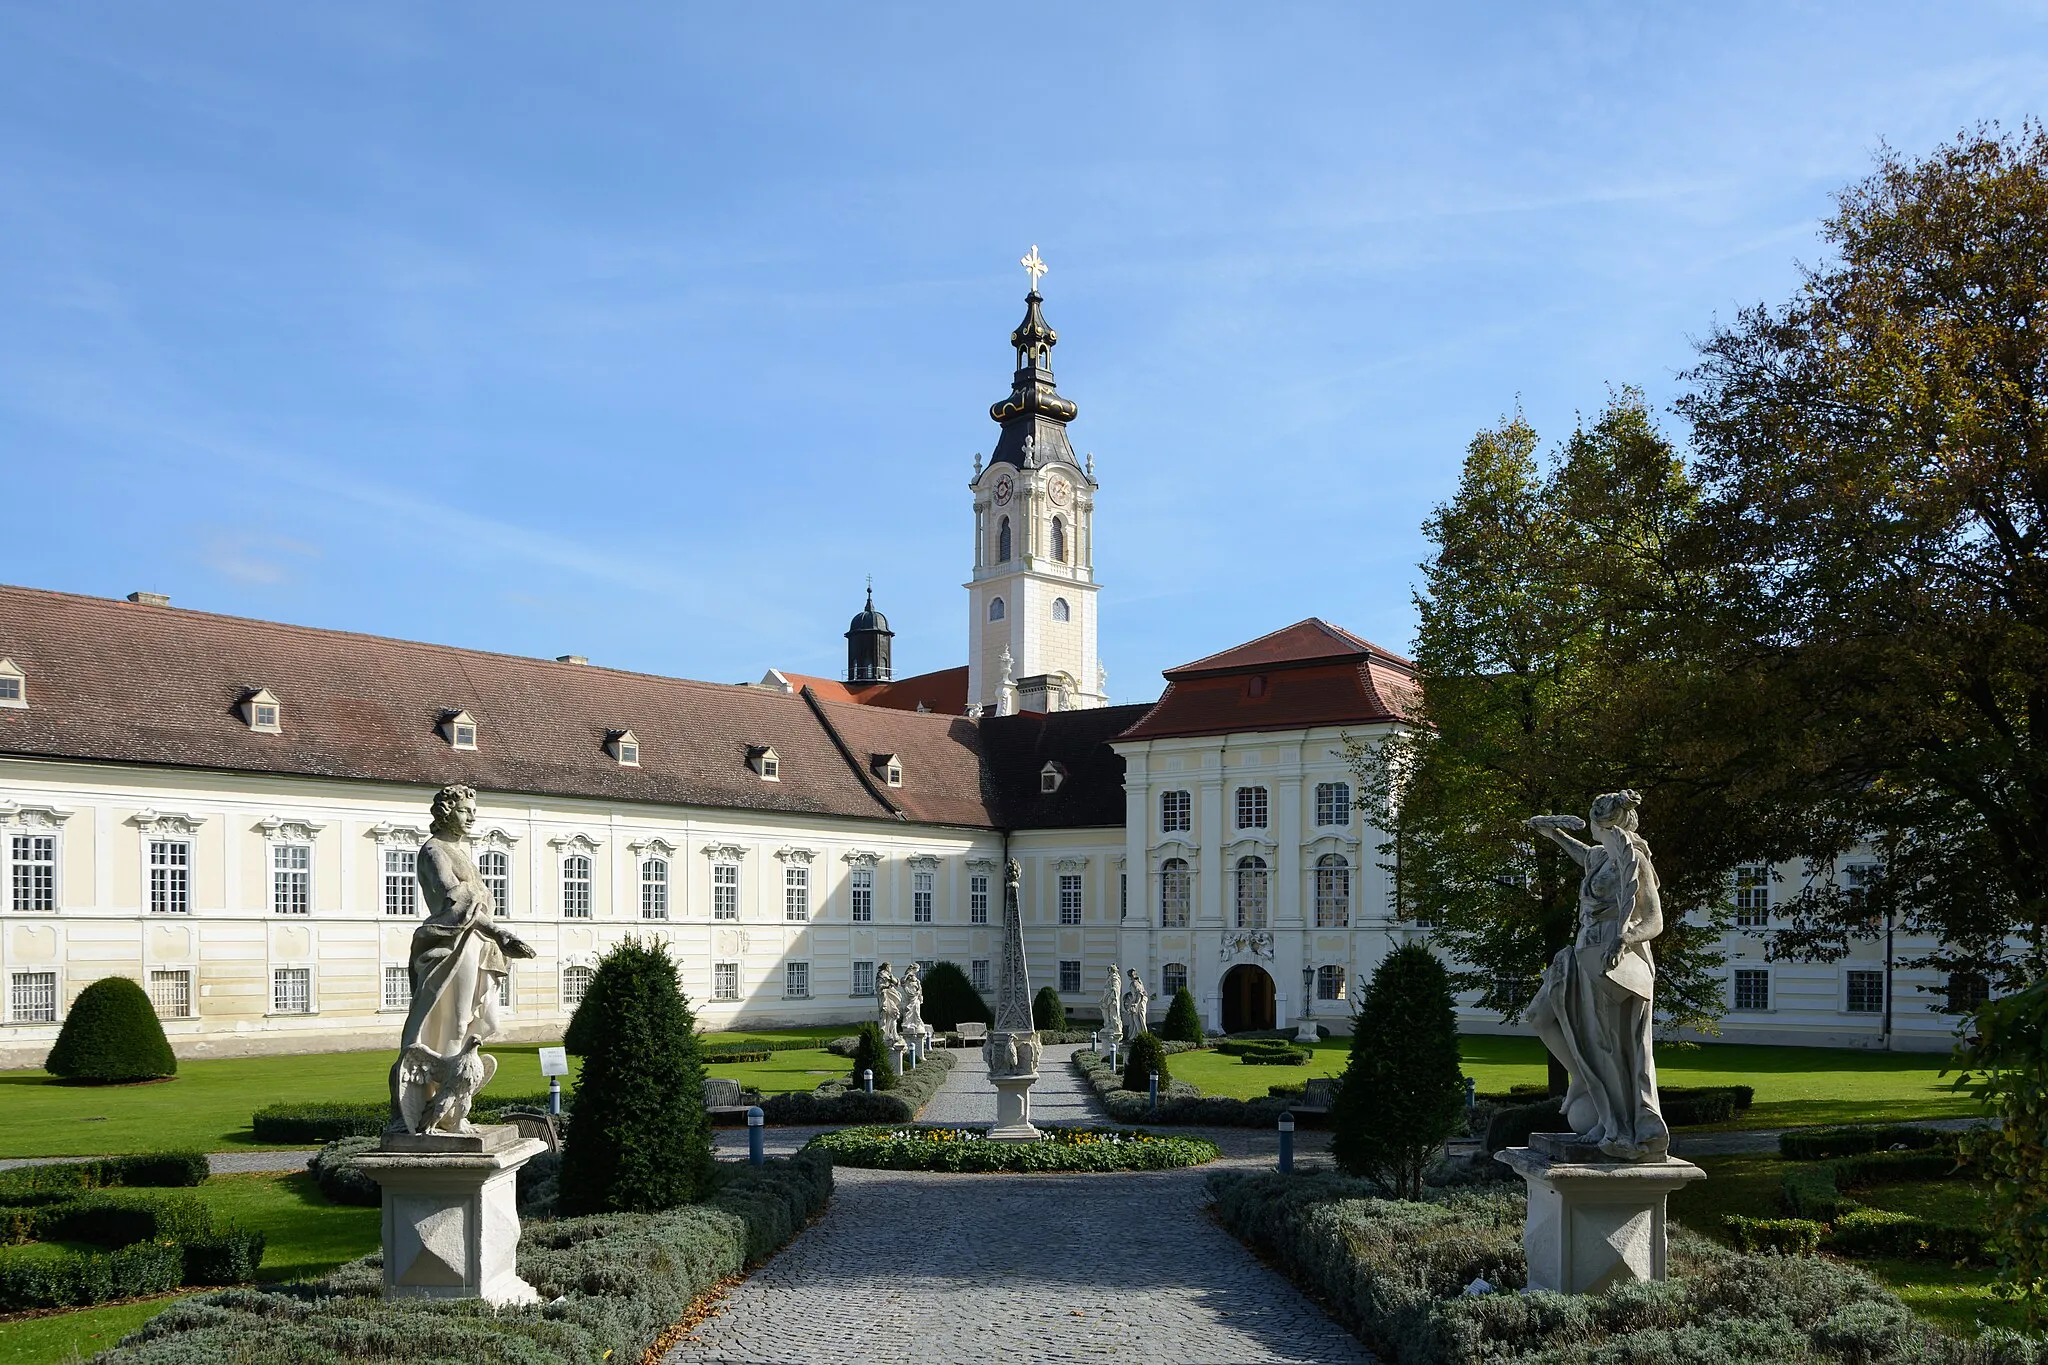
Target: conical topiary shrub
1402,1092
1144,1058
111,1036
640,1140
1183,1021
1046,1010
950,998
872,1053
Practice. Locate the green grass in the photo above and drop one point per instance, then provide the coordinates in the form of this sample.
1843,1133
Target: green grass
783,1072
304,1236
821,1032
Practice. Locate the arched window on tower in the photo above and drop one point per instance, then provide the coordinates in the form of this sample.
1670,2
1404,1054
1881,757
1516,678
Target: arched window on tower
1059,540
1003,541
1060,610
995,610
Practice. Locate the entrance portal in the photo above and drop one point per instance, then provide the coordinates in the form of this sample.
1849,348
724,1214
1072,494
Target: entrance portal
1247,999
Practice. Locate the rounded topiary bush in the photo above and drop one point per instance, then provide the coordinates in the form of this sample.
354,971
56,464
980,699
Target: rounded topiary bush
1144,1058
1047,1012
111,1036
641,1141
871,1053
950,999
1183,1021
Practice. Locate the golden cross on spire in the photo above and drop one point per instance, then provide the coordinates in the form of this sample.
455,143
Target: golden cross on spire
1033,266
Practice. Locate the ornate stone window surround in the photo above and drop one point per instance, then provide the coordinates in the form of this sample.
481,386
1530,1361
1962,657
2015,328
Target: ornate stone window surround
280,832
45,820
170,827
567,846
654,849
403,838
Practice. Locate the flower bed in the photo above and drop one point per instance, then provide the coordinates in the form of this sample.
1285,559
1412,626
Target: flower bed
970,1150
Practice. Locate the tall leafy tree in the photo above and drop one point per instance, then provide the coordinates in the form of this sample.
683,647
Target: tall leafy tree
1875,458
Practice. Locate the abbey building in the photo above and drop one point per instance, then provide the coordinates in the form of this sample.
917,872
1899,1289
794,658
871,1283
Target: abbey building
229,810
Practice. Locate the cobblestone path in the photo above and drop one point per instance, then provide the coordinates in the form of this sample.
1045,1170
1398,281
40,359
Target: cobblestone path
965,1269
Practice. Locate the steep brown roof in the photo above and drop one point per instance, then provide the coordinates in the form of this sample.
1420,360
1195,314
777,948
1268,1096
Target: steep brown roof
127,683
1310,673
943,691
1092,792
944,762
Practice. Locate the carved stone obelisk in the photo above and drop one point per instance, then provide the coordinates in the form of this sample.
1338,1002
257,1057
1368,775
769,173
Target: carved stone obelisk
1012,1046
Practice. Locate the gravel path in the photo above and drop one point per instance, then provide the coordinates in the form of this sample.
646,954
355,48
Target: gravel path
220,1163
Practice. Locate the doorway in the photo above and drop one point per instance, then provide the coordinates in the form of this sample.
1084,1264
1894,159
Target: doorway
1247,999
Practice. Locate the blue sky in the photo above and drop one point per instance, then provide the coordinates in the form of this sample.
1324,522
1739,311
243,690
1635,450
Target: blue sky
646,331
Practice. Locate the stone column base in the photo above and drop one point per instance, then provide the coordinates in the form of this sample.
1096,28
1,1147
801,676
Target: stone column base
1594,1223
1305,1031
451,1216
1013,1109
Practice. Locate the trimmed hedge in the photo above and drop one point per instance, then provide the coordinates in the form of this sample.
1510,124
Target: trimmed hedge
111,1036
1787,1236
153,1242
334,1170
1394,1273
1816,1193
1818,1144
611,1286
148,1170
968,1149
303,1123
1181,1104
838,1102
730,1052
760,1056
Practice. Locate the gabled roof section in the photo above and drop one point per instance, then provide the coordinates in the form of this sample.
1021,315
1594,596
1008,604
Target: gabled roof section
1310,673
1092,793
943,692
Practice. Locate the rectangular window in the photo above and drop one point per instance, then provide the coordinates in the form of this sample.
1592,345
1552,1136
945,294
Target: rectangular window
170,877
796,896
654,889
864,977
401,881
35,872
1176,886
796,980
725,891
977,898
725,981
1176,812
170,992
291,990
1251,807
1752,988
1333,891
397,988
1865,992
862,883
505,991
575,984
1752,896
576,887
291,879
1070,898
1966,991
1123,895
977,973
495,867
1333,803
1173,978
1329,983
921,895
33,998
1070,974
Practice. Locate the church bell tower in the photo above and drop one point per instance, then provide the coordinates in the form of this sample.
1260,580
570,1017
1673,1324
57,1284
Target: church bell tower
1031,604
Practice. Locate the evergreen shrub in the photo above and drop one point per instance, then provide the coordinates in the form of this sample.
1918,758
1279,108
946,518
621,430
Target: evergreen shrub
1046,1010
1819,1144
1142,1057
1402,1093
951,1000
1511,1126
1787,1236
111,1036
871,1053
641,1141
1183,1021
969,1150
842,1102
334,1170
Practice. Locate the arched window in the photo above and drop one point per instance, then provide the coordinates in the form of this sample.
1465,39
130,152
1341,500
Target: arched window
576,887
1251,893
995,610
1003,541
1333,892
575,984
1174,888
654,888
1059,540
1060,610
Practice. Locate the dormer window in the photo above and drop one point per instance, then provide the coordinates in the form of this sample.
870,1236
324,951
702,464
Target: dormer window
13,685
625,747
1050,777
261,712
888,767
460,728
766,762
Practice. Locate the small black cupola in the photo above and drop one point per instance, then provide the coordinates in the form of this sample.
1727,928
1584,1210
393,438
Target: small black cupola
867,644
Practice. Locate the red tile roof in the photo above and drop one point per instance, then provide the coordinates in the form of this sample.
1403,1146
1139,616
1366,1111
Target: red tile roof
1311,673
943,691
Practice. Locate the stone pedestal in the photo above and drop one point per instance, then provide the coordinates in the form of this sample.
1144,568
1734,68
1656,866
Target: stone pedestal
1305,1031
1594,1223
1013,1109
451,1217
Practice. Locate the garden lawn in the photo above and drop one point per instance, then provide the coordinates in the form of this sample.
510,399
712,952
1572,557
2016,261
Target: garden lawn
797,1069
304,1236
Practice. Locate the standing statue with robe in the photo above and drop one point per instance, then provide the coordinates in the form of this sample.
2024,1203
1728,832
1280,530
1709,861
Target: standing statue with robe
1112,1012
1137,1004
1594,1008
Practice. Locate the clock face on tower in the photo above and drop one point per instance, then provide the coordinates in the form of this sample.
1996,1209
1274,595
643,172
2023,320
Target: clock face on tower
1057,490
1003,490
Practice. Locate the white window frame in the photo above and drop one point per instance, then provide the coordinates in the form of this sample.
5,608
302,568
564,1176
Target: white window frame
1050,777
796,893
1875,977
1330,982
796,980
977,897
180,979
1070,898
169,862
1070,971
262,713
1176,893
725,890
863,977
461,729
1254,808
725,981
291,866
398,881
860,893
36,978
1173,978
1061,612
15,697
625,748
280,833
496,882
654,884
1057,538
1333,891
1176,811
281,977
1752,896
1253,892
1333,805
581,975
400,999
923,884
978,973
1736,980
25,891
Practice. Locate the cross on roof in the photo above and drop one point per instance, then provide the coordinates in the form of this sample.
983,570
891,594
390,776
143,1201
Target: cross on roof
1033,266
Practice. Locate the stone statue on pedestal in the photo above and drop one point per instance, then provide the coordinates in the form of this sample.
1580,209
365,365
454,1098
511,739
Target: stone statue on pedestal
1137,1004
1112,1011
1012,1045
913,1025
888,1001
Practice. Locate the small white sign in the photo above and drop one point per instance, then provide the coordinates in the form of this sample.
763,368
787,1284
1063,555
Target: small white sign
554,1061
